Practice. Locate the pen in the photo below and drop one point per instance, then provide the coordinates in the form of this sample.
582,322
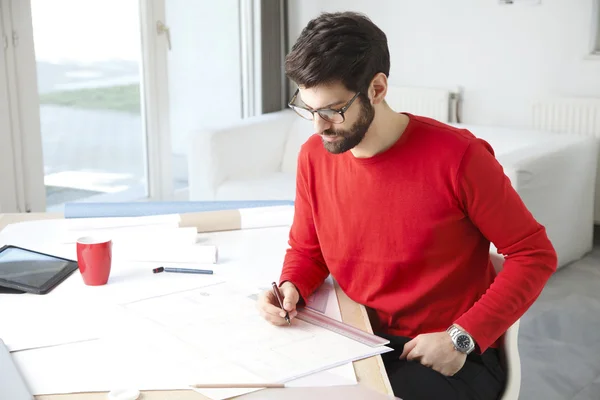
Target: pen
278,295
238,385
183,270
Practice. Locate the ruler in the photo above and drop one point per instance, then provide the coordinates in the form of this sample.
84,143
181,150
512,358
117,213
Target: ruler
318,319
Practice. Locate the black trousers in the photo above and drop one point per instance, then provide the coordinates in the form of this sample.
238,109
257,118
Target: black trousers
481,378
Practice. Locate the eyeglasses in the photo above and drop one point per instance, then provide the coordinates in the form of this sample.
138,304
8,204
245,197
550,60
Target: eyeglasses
328,114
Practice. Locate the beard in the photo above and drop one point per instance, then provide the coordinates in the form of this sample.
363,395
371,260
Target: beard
350,138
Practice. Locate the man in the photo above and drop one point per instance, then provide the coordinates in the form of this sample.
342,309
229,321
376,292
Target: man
401,210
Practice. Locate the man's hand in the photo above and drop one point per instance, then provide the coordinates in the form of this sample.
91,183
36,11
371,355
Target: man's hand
268,306
436,351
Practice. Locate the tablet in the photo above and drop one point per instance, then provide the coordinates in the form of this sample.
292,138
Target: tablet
31,271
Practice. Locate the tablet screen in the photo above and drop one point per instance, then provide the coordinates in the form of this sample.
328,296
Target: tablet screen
28,268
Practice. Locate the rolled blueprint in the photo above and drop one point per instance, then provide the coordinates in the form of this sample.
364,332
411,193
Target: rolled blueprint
137,209
192,254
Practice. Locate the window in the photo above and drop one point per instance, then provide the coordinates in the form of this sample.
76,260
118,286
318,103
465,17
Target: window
596,39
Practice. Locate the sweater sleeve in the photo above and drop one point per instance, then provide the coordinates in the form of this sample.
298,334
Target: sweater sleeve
493,205
303,264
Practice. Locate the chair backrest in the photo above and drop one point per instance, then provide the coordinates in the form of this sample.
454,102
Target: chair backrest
509,353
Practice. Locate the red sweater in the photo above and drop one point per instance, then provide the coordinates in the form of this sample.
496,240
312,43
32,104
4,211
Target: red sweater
407,233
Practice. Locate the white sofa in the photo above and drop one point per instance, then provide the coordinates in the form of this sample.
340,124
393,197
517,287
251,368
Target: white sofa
254,159
554,174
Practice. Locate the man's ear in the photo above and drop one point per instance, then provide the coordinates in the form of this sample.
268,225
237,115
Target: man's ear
378,88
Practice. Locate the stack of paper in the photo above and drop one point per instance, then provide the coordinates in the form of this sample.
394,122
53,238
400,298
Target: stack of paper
211,334
231,331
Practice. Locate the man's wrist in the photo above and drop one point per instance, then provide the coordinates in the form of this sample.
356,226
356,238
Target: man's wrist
471,336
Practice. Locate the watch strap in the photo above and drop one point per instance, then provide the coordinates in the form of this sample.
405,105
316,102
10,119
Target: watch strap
454,332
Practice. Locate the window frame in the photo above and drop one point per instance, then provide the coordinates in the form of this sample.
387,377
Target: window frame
595,42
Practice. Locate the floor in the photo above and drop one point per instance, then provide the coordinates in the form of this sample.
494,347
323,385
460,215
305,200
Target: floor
59,195
92,152
559,337
87,151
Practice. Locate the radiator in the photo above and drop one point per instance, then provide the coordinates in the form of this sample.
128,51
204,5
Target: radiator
579,116
439,104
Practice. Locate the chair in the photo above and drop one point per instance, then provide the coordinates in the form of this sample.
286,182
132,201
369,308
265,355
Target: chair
509,353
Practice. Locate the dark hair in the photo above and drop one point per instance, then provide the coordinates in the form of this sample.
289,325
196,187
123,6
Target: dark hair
341,47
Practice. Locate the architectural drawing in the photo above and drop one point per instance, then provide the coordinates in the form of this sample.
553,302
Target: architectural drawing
220,322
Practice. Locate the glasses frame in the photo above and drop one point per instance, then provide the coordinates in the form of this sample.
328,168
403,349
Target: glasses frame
340,111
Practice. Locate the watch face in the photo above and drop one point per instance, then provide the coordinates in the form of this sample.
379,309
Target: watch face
463,342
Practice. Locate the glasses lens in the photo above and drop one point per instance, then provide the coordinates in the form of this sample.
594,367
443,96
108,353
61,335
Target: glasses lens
304,113
331,116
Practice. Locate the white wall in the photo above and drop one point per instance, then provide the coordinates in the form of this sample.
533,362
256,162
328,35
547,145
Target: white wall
502,55
204,68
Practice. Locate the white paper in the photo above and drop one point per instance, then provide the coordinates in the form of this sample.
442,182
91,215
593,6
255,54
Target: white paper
132,281
339,376
57,237
171,220
168,253
230,329
207,335
96,315
101,366
31,234
33,322
149,236
50,229
74,312
264,217
134,355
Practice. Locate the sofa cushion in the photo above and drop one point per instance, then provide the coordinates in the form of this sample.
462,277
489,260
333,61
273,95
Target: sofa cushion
299,133
273,186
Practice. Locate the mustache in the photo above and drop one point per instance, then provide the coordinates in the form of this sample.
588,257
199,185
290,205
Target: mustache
331,133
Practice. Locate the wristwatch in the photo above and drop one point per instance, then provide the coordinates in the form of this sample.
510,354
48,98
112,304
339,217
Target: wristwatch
463,342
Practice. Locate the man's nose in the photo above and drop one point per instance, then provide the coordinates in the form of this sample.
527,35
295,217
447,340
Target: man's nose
321,125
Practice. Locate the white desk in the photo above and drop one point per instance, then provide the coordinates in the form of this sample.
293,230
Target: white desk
373,381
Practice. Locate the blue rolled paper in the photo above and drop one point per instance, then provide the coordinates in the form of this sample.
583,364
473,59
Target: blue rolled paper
140,209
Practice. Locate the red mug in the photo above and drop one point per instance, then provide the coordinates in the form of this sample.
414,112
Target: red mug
94,257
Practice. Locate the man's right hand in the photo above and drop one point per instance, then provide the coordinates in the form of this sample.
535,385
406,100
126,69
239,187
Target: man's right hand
268,306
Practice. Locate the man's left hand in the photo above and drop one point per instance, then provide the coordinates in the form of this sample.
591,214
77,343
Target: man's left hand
436,351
